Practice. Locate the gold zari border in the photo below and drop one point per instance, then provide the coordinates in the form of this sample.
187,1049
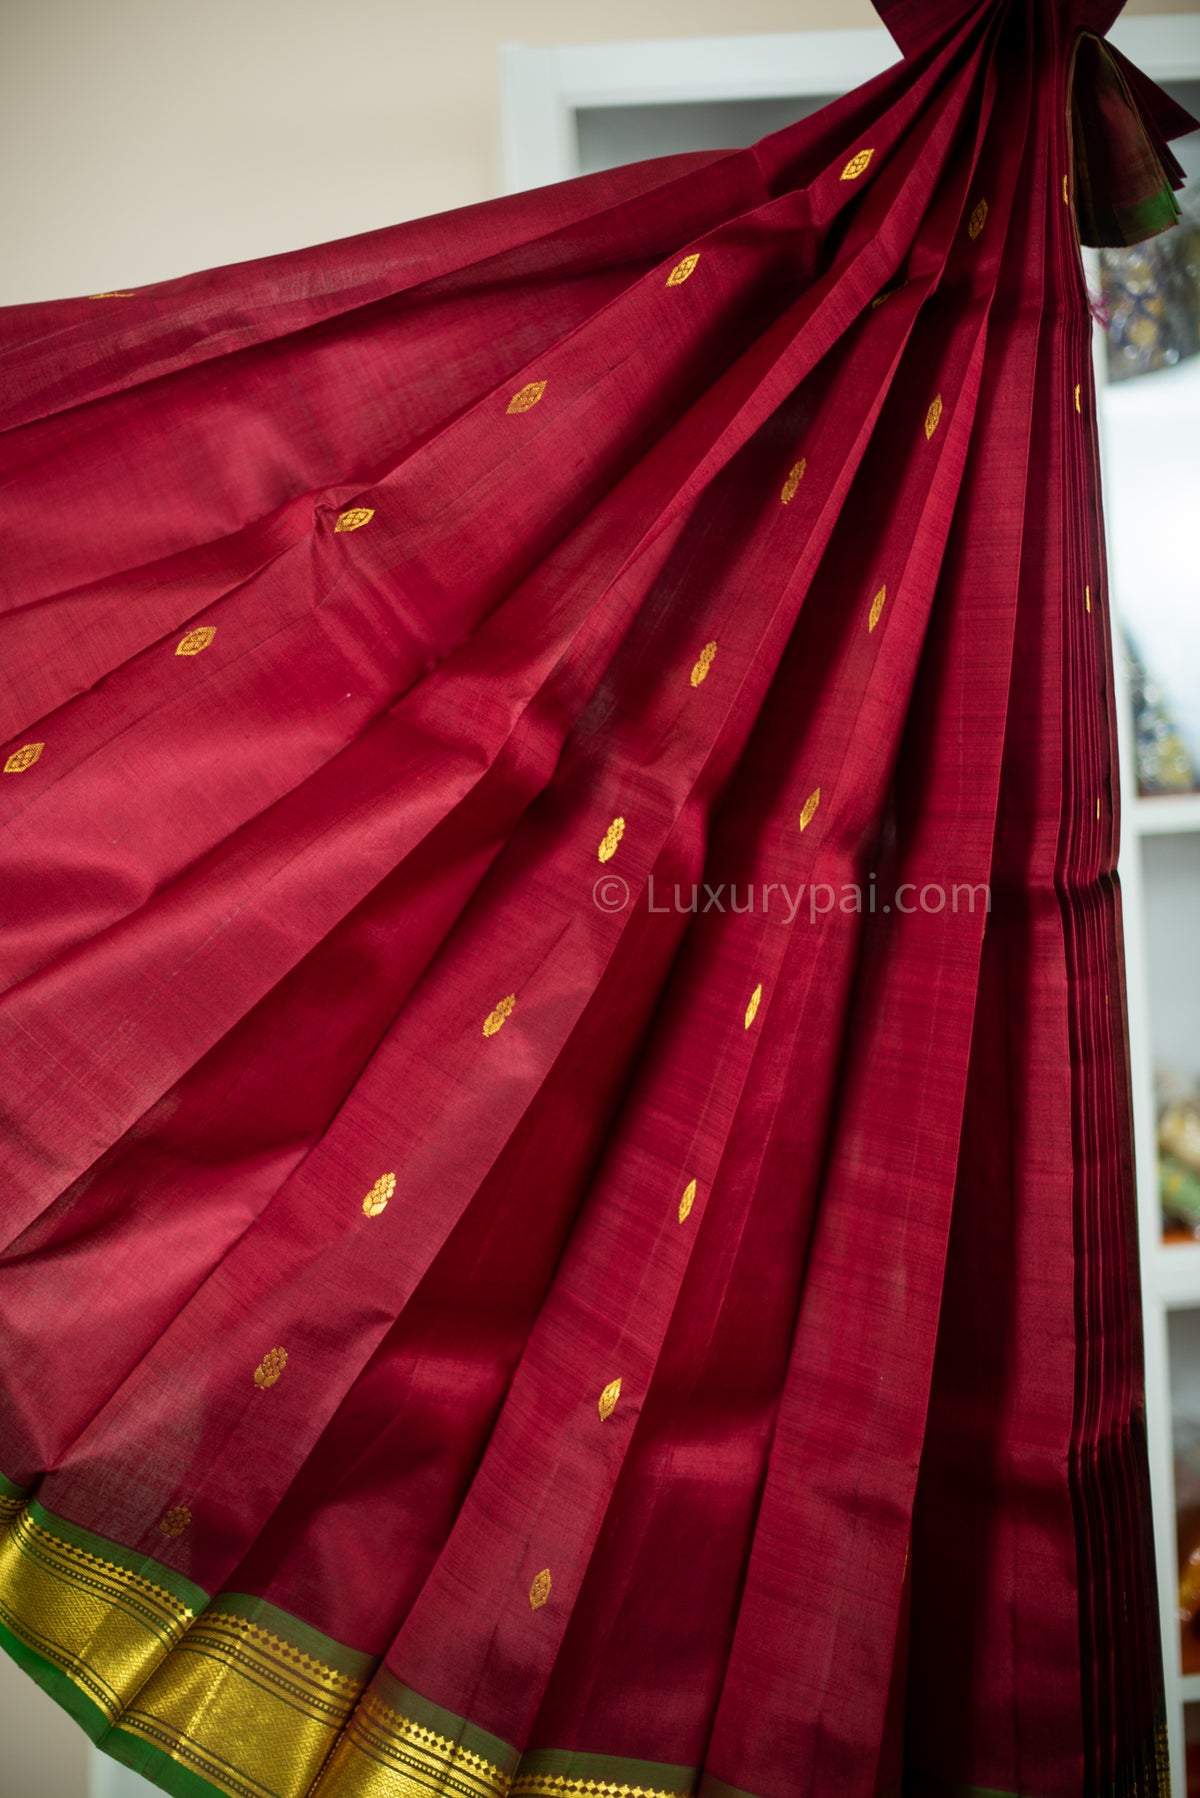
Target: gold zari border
246,1710
386,1755
103,1626
10,1510
558,1785
234,1704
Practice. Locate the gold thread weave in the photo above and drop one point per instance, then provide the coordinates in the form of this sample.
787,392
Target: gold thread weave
495,1018
354,518
23,758
526,396
682,270
196,640
376,1201
102,1626
243,1708
383,1754
540,1590
877,605
795,476
703,663
856,165
232,1701
560,1785
610,839
270,1368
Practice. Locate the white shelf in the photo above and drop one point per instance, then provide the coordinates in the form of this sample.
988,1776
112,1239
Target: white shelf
1165,814
1147,432
1172,1271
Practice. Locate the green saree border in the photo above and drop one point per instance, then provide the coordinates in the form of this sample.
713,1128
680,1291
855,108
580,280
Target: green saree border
299,1635
234,1698
143,1566
574,1766
140,1757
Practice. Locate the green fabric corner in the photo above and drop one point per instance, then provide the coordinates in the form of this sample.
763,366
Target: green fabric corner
140,1757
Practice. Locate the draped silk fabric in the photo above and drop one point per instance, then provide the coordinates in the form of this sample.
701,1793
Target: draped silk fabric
566,1170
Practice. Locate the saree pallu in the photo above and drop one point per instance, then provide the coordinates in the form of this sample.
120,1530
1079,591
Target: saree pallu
566,1178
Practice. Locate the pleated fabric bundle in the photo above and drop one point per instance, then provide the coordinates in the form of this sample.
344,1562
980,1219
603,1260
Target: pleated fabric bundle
566,1164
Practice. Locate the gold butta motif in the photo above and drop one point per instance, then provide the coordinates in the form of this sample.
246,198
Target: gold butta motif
608,1399
977,220
175,1521
703,663
495,1018
809,809
377,1199
270,1368
354,518
23,758
196,640
682,270
933,415
688,1200
610,839
857,165
526,396
877,605
539,1592
795,476
752,1007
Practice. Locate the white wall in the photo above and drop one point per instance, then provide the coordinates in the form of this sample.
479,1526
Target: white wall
144,138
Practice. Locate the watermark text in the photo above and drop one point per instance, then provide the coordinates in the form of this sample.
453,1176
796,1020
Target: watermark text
811,900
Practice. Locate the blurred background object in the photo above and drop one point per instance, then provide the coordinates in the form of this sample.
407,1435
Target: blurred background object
1152,298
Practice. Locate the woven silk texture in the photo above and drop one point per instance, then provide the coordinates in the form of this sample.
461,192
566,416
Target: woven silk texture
565,1177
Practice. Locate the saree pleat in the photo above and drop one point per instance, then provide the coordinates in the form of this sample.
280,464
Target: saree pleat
970,1508
529,1267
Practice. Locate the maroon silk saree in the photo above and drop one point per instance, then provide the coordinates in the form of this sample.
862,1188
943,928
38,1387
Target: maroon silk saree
566,1171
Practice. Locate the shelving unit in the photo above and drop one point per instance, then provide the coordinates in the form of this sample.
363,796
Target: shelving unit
1170,1271
1166,814
1160,879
